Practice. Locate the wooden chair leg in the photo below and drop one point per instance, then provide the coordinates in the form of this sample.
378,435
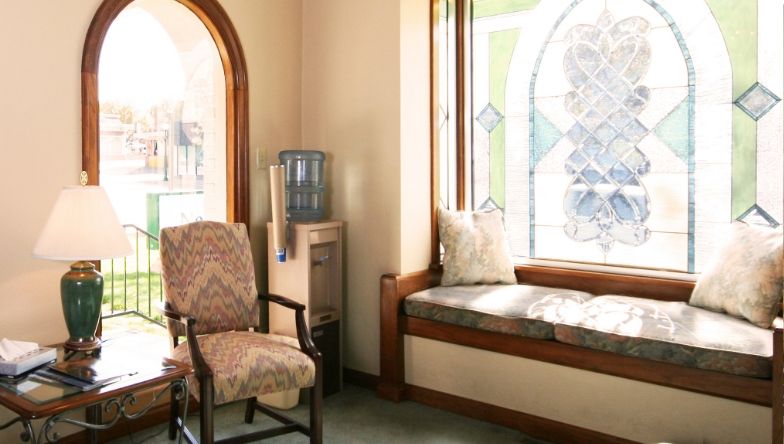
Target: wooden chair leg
316,403
206,407
250,410
174,413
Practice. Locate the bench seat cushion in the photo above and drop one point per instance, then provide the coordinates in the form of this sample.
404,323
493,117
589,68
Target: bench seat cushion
671,332
523,310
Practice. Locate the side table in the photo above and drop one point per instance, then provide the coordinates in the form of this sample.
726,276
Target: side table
35,398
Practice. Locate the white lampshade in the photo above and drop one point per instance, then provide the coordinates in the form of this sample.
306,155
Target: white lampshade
82,226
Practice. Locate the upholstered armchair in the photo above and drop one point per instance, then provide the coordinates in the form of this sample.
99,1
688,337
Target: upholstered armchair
211,299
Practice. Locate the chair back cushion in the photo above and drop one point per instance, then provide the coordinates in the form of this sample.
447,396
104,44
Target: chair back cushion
207,273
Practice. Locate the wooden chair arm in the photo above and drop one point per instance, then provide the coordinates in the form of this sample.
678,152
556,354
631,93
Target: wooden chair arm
281,300
173,314
306,343
303,333
200,366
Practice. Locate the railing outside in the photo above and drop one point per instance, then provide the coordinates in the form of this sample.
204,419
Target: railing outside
132,285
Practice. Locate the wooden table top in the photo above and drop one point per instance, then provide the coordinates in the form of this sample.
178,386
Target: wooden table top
149,370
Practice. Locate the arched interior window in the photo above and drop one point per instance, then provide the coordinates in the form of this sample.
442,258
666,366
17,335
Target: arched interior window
186,134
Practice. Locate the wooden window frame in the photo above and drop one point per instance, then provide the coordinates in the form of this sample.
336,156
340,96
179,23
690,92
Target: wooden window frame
217,22
463,24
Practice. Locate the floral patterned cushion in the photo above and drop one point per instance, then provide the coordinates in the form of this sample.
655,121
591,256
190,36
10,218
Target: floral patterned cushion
207,272
673,332
523,310
744,277
476,250
247,364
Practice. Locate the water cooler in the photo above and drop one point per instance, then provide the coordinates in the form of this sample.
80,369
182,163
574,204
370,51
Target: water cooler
312,271
304,185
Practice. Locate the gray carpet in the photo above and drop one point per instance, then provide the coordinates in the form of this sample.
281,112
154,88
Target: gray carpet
356,415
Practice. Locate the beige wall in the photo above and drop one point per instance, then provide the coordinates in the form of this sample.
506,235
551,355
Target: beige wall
270,32
414,136
365,102
41,146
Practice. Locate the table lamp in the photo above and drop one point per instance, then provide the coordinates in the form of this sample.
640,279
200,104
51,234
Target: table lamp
82,227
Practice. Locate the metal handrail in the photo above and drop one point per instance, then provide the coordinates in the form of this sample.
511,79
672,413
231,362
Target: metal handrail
149,238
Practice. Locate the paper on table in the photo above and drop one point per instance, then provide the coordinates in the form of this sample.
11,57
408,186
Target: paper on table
13,349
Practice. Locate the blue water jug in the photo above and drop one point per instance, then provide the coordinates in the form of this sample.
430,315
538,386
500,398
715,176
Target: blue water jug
304,184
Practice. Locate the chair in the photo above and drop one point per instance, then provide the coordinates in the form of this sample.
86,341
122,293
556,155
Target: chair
211,299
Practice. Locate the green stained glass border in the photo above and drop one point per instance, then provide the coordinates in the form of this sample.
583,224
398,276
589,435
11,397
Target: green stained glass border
502,45
487,8
737,21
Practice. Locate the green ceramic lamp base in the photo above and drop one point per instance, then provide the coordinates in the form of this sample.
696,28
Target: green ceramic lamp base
81,291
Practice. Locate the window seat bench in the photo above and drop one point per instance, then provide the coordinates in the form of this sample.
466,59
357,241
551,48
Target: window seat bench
639,328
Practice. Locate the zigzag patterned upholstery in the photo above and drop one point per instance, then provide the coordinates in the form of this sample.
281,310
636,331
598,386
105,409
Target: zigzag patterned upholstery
207,272
248,364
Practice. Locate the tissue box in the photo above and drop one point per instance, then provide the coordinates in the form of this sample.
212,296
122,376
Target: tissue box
27,361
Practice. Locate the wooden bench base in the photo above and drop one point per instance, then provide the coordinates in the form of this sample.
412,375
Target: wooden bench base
529,424
395,324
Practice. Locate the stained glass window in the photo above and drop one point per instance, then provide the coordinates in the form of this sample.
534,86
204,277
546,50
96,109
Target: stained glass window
625,132
445,123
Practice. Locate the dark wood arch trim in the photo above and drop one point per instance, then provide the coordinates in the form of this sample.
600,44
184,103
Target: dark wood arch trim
220,27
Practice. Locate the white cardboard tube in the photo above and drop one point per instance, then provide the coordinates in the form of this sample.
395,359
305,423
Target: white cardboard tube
277,192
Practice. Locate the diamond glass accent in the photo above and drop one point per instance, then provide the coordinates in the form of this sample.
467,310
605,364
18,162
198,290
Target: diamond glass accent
606,201
546,135
673,130
757,101
489,117
757,216
441,117
489,204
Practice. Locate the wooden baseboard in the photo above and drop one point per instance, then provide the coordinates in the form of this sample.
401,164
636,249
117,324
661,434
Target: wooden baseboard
362,379
535,426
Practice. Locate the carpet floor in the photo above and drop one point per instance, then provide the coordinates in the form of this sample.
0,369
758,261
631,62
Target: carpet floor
356,415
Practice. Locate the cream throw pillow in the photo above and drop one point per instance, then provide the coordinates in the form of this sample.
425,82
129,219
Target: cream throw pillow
744,277
475,248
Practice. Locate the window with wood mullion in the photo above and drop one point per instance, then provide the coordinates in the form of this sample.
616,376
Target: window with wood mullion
606,133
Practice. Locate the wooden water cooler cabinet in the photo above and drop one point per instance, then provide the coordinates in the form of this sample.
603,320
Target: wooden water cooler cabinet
311,275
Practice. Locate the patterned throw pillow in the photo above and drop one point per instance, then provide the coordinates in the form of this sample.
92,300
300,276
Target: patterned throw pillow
475,248
744,277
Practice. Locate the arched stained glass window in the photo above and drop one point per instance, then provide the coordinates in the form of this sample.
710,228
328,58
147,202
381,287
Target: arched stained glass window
625,132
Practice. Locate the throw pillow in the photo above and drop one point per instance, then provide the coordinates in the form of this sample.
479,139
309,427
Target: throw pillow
475,248
744,277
